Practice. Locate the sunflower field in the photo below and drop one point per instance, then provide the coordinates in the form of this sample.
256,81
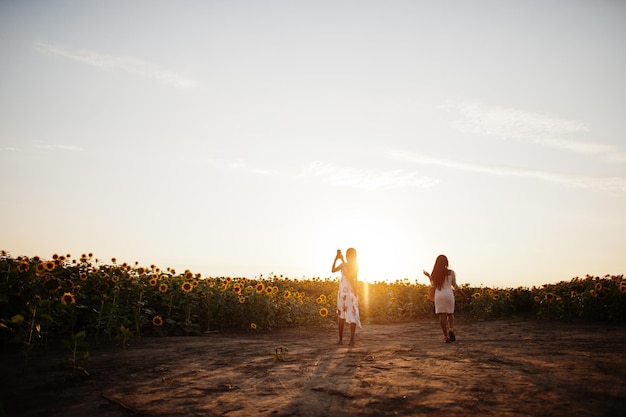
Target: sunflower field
78,299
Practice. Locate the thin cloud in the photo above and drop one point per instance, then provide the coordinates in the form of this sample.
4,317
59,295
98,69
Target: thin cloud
506,123
240,165
120,63
367,180
581,181
56,146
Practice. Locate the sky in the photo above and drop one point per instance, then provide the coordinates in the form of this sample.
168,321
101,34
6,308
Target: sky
249,138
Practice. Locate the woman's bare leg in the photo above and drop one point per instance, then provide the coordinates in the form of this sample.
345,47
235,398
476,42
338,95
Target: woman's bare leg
352,331
340,324
443,322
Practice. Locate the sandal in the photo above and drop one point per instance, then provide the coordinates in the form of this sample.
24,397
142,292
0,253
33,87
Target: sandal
451,335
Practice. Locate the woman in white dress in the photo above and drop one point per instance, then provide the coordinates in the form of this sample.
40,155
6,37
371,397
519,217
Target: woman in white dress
443,280
347,299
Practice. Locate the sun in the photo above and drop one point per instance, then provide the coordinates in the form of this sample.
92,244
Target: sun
383,248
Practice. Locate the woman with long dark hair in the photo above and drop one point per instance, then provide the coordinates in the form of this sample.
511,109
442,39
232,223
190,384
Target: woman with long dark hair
347,299
443,280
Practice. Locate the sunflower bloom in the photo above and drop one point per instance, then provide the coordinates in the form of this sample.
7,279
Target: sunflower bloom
187,286
49,265
260,288
68,298
242,299
598,286
323,311
286,294
253,326
22,267
153,281
157,321
52,285
476,295
163,288
549,296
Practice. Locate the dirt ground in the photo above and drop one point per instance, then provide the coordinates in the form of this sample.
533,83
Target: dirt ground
503,368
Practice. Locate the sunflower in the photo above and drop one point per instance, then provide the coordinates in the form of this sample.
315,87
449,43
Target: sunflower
188,275
622,287
163,288
157,321
269,290
49,265
536,298
153,281
476,295
286,294
83,276
321,299
68,298
260,288
242,299
22,267
237,289
323,311
253,326
52,285
598,286
187,286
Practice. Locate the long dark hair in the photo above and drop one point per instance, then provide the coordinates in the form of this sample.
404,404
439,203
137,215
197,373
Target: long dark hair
440,271
353,267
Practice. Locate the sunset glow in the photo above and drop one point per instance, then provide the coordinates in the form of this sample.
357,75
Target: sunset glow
248,138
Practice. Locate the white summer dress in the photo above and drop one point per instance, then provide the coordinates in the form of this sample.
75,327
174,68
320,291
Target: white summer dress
444,297
347,301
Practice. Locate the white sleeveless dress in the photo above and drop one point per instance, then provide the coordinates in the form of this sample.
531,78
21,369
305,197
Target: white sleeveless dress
347,302
444,297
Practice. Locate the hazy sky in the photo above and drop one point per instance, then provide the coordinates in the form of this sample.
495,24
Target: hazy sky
248,137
